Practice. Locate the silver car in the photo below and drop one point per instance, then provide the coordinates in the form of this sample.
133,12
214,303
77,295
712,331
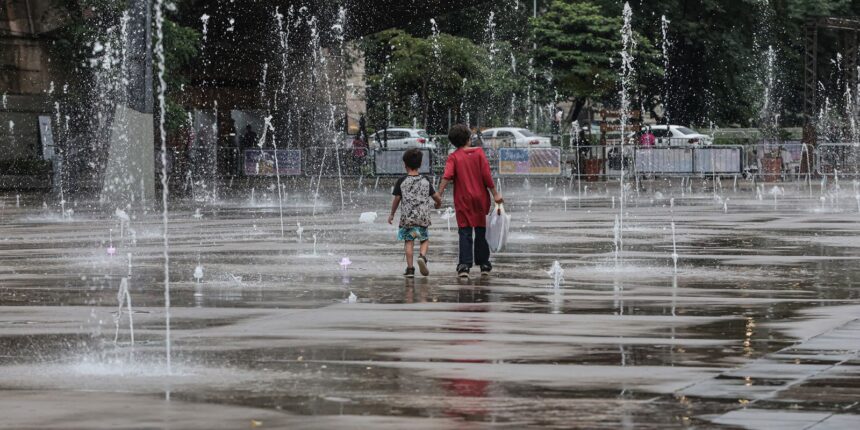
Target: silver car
515,137
673,135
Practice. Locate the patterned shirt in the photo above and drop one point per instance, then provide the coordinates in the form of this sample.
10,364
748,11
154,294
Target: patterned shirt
415,192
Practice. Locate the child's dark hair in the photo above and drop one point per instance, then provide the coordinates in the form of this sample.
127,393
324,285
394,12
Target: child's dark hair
459,135
412,158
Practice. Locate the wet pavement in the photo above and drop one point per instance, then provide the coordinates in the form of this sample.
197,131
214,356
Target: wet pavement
759,327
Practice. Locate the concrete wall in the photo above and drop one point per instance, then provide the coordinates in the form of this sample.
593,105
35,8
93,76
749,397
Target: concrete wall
30,17
19,126
129,175
25,73
25,78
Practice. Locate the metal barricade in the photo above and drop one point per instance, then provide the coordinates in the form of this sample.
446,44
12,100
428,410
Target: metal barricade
841,159
664,160
592,162
390,162
777,158
689,160
717,160
530,162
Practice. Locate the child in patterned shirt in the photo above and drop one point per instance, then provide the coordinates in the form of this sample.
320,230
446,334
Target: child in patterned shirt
412,194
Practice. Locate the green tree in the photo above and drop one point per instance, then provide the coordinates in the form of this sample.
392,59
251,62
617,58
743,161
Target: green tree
714,69
74,48
181,47
425,78
717,54
580,43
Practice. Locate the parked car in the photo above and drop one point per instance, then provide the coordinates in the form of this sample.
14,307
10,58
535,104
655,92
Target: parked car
673,135
401,138
518,137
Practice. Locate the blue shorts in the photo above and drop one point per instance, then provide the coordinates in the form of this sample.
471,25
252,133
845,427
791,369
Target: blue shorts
413,233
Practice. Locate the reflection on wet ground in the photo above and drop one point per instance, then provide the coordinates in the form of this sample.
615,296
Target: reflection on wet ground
759,327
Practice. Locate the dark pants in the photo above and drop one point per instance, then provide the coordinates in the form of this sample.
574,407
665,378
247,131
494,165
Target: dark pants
477,248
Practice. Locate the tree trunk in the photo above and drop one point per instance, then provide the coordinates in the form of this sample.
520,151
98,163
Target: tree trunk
577,109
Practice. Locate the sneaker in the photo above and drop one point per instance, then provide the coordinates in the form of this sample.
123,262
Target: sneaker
422,265
486,269
410,272
463,271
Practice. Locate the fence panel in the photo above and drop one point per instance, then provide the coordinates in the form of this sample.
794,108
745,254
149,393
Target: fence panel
529,161
718,160
391,162
595,161
599,160
664,160
838,158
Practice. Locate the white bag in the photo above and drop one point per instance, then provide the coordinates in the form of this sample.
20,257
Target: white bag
498,224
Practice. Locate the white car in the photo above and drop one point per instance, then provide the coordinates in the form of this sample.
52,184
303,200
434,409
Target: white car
518,137
673,135
401,138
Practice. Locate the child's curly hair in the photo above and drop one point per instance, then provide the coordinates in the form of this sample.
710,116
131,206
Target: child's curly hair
459,135
412,158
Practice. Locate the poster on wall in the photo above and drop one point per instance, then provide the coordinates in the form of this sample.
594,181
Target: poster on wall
530,161
261,162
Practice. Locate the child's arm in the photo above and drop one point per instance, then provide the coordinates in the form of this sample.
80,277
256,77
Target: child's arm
488,180
437,198
394,205
447,175
442,185
497,197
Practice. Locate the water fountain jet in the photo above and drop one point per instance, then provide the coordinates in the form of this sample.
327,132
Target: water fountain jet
556,273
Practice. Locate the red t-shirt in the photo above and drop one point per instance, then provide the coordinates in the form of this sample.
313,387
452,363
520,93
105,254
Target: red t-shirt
469,170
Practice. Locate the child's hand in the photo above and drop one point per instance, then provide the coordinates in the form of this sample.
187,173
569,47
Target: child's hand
438,205
391,219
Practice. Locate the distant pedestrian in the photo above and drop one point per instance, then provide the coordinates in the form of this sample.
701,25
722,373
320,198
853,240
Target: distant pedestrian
359,154
359,148
413,194
468,169
787,159
382,136
647,138
249,138
362,128
556,120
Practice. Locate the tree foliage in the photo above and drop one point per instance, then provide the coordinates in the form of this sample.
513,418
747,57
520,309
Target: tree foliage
181,47
716,55
422,79
580,44
81,47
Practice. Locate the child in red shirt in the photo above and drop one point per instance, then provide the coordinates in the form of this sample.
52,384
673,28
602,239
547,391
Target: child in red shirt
468,169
